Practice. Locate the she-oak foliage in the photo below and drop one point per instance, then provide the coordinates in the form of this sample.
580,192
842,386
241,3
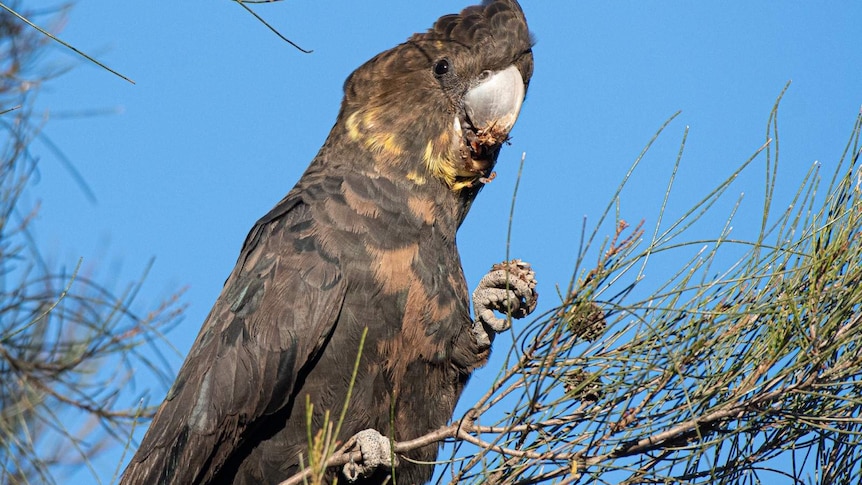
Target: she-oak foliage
746,377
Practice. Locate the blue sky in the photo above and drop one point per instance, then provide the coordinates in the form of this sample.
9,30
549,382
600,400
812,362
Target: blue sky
224,117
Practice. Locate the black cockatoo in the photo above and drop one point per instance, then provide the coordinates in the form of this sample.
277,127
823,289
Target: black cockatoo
365,241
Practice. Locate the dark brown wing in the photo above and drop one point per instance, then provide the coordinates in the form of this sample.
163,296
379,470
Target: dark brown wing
276,309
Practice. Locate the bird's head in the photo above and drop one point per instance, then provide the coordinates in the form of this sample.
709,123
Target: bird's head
440,105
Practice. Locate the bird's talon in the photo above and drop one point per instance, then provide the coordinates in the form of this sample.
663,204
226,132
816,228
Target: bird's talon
509,288
376,452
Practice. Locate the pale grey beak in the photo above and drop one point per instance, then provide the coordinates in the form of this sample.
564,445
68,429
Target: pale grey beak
495,102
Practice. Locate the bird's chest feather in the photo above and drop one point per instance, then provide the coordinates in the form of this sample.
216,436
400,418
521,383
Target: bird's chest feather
414,305
419,298
403,273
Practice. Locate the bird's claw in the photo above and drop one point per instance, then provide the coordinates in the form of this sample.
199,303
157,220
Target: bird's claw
376,452
509,288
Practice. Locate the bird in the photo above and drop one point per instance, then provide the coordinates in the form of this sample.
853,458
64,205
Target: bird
357,268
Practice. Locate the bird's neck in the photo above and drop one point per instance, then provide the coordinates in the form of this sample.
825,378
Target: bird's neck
420,193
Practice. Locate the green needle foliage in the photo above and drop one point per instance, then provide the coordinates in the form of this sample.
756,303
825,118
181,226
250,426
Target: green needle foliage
747,372
71,346
742,367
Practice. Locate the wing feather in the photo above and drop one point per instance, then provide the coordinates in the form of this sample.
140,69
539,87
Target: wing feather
276,309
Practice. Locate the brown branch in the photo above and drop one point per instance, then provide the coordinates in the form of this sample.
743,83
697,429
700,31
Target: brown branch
467,430
687,428
462,430
343,456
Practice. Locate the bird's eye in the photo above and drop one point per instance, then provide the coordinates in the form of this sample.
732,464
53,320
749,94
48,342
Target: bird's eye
441,67
484,75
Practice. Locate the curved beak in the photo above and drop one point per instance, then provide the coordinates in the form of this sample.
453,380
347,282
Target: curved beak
494,104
